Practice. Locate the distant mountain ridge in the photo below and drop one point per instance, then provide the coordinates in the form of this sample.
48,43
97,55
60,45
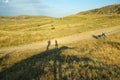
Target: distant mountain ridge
111,9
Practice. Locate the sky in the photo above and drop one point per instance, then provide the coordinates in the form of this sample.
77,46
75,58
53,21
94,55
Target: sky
53,8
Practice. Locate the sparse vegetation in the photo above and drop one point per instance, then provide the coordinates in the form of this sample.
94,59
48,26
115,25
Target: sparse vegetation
111,9
88,59
21,30
91,59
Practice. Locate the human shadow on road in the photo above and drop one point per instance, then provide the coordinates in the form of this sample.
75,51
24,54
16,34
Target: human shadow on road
53,65
49,43
35,67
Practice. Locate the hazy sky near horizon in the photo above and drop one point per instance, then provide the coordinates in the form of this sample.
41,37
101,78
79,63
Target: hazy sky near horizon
54,8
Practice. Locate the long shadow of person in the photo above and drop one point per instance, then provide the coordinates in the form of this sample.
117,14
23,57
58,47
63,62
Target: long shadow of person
56,44
53,65
57,58
49,43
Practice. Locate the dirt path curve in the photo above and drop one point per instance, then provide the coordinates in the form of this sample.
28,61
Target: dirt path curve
62,40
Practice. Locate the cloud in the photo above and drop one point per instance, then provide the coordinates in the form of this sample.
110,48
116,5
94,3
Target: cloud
19,7
5,1
30,7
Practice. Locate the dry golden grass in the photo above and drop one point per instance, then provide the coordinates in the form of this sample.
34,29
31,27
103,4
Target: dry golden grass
84,60
24,30
94,59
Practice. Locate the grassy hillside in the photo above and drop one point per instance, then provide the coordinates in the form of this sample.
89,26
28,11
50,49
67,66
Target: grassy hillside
92,59
19,30
84,60
111,9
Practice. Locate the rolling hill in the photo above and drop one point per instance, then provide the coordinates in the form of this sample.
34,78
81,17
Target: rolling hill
39,28
83,59
111,9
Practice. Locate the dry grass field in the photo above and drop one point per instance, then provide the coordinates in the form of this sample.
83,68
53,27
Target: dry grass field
86,59
27,29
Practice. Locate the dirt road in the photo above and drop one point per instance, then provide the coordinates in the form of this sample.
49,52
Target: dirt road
62,40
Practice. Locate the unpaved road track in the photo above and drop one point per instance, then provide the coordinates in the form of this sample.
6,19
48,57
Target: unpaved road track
62,40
